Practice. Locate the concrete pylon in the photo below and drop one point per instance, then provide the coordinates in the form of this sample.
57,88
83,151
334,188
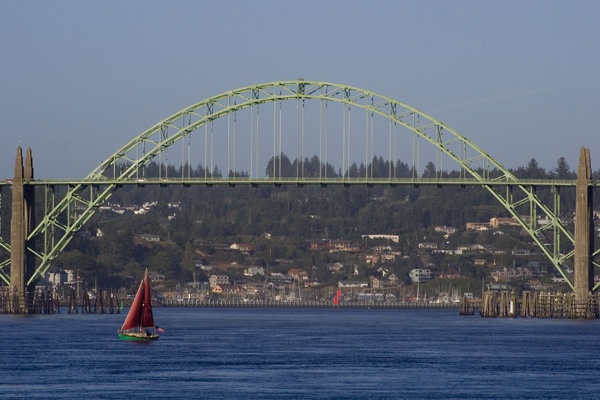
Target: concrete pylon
584,230
21,224
29,213
17,235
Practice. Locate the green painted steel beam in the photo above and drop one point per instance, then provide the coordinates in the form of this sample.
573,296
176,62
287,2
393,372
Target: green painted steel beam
6,263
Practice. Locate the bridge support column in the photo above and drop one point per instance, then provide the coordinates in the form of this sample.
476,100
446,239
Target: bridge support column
21,224
584,235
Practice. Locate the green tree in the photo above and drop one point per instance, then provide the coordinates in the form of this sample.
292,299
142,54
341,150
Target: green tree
430,171
188,262
562,170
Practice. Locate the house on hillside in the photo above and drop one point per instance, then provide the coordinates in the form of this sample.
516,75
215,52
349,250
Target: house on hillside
476,248
379,283
242,248
508,274
254,270
353,284
253,288
393,238
536,284
215,280
221,247
224,288
420,275
521,252
148,237
319,244
507,221
57,279
335,267
448,230
298,274
155,276
345,246
373,259
478,226
381,249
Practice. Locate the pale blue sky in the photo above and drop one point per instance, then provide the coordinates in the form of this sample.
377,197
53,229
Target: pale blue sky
79,78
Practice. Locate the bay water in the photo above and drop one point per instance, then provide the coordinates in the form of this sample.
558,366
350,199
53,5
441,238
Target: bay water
221,353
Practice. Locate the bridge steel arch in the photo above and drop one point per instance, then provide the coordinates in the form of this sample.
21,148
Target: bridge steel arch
63,219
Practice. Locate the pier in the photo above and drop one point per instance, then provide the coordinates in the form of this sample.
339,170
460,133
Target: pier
237,303
48,301
507,304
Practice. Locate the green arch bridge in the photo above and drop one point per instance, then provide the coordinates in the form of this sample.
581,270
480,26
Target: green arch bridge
240,129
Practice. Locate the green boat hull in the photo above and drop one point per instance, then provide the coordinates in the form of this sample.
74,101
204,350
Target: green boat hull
136,336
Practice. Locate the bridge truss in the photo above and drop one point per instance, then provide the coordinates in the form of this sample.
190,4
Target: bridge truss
243,127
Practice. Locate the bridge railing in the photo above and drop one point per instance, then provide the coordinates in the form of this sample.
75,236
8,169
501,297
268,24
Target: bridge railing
309,181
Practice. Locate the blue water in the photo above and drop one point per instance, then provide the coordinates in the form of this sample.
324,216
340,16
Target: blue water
300,354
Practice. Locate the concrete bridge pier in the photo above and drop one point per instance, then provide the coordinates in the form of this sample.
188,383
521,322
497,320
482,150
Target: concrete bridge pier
584,235
21,225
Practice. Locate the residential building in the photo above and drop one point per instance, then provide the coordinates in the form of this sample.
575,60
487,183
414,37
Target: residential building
335,267
381,249
155,276
393,238
374,258
254,270
478,226
242,248
298,274
420,275
379,283
448,230
507,221
521,252
215,280
508,274
344,245
149,237
224,288
319,244
221,247
353,284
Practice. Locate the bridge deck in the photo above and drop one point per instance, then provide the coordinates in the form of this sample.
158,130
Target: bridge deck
323,181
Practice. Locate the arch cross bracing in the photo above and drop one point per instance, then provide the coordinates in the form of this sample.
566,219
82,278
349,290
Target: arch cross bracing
126,166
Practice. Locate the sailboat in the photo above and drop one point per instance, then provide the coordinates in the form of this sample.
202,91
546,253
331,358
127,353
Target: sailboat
139,324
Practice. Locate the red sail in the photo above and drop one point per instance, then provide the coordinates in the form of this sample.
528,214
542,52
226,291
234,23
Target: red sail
140,313
336,299
133,318
147,319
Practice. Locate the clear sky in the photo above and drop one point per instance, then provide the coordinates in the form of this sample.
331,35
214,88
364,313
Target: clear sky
79,79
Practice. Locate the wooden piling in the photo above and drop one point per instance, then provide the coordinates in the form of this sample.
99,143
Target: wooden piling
538,305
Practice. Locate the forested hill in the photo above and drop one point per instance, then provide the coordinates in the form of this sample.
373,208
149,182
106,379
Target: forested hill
189,220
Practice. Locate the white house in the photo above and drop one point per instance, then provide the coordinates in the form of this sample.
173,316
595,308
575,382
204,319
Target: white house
254,270
420,275
215,280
